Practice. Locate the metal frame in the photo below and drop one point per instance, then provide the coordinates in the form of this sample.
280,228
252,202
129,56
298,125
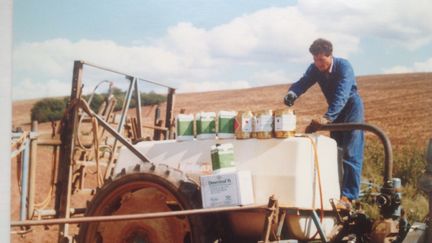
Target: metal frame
89,219
69,126
63,211
65,166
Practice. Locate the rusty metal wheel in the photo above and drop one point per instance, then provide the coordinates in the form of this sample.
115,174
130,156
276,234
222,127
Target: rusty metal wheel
146,188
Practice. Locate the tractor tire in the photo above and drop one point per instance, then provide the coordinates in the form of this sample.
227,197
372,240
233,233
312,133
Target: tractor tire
147,188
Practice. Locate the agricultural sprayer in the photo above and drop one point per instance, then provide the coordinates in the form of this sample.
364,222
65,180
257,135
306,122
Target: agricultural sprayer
121,176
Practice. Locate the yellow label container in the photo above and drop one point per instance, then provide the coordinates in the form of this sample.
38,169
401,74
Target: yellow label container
264,124
243,124
284,123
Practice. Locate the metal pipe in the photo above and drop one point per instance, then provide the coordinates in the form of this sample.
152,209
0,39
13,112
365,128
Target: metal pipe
24,179
84,105
138,110
121,73
68,136
315,219
141,156
388,154
272,214
134,216
33,165
120,125
169,113
44,212
96,87
126,104
157,132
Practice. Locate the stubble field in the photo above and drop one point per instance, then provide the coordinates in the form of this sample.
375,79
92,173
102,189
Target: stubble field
400,104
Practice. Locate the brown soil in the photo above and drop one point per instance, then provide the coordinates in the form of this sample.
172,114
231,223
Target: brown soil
400,104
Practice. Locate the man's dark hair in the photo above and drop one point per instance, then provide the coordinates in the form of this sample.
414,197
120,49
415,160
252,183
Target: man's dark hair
321,46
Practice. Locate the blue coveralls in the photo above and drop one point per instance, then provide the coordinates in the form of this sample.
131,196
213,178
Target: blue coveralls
344,105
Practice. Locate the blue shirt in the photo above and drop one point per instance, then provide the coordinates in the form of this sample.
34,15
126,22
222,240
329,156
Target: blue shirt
338,85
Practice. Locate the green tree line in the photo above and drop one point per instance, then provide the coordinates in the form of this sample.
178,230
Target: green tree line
52,109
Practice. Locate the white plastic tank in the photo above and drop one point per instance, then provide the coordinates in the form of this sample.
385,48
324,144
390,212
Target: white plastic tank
281,167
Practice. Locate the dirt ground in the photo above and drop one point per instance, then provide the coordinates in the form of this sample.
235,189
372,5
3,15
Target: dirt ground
400,104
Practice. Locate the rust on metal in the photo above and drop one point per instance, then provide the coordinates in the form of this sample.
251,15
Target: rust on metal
32,175
169,112
271,218
134,216
68,133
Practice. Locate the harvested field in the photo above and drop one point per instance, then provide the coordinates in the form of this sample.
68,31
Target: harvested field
400,104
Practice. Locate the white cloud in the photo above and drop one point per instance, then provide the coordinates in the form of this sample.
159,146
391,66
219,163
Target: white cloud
253,47
30,89
406,23
213,85
268,77
425,66
398,69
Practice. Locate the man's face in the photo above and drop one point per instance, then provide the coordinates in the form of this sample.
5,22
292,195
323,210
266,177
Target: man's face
322,62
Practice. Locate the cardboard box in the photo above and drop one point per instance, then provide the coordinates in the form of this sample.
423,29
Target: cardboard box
229,189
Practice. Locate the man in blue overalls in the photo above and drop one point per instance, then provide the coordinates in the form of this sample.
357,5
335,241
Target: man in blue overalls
335,76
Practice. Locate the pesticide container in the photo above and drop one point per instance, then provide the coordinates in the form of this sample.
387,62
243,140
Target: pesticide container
264,124
226,121
222,157
284,123
184,124
243,124
206,125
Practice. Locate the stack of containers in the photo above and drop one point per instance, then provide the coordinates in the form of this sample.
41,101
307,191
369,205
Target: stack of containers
226,186
262,124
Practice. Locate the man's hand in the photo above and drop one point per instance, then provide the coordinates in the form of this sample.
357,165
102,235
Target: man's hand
290,98
316,123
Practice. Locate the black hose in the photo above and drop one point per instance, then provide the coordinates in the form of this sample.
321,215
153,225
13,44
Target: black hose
388,154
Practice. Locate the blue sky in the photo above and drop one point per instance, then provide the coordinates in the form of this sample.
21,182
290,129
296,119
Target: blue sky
212,44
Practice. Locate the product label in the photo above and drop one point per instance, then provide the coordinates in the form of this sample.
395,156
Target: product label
221,190
264,123
206,125
220,185
226,124
227,189
222,156
184,128
247,124
285,123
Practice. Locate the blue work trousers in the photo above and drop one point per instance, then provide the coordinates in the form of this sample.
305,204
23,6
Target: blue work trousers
352,143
